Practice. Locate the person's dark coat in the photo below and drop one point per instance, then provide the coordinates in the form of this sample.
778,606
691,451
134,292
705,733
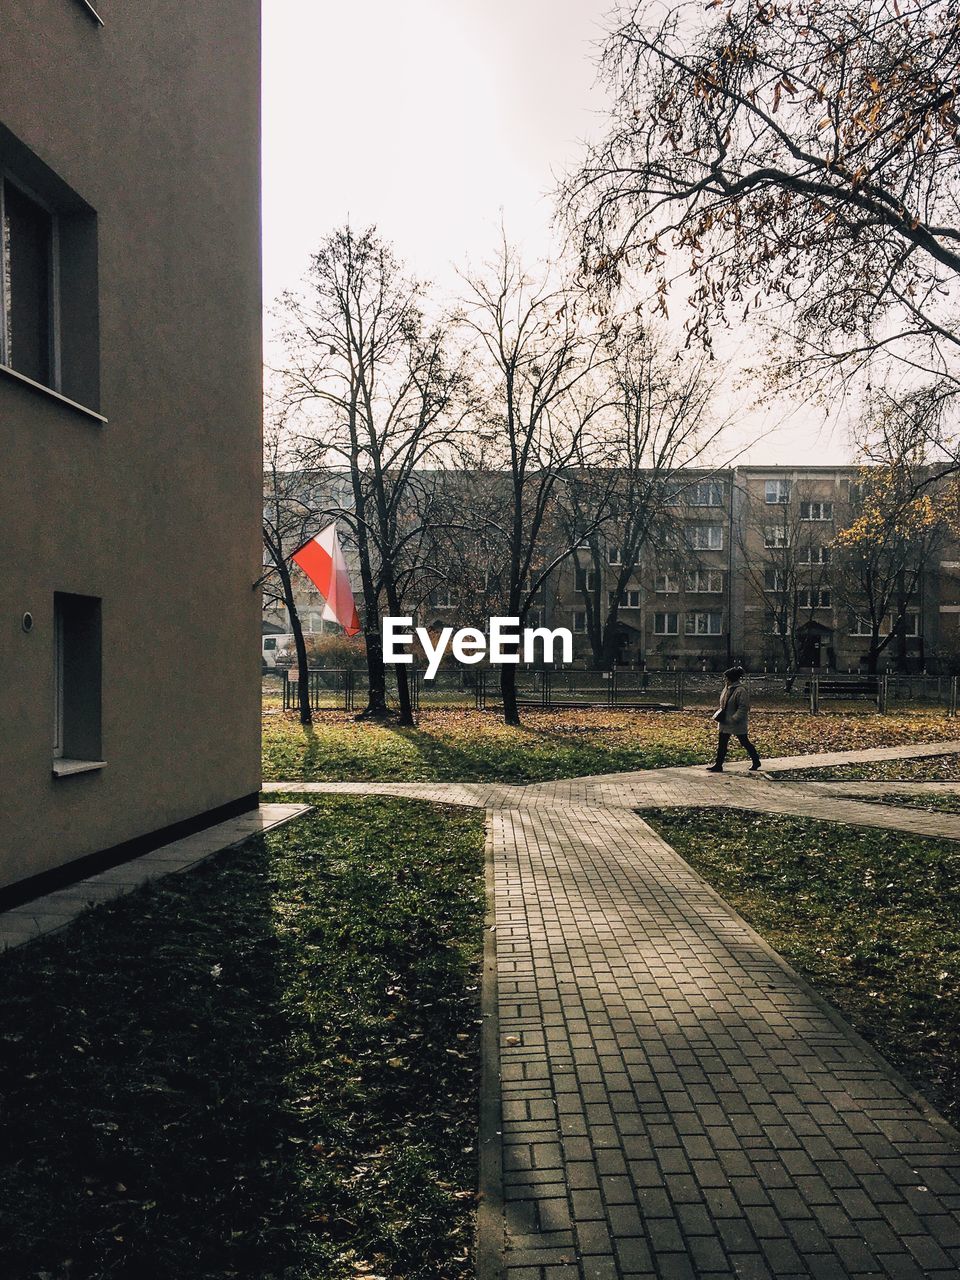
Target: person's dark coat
734,709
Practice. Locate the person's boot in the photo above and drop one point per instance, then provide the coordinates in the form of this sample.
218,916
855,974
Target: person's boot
715,768
756,764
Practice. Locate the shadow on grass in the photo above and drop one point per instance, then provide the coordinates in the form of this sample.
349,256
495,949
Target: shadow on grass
222,1076
145,1099
532,752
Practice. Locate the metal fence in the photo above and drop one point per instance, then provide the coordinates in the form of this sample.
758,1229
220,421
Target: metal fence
329,689
341,689
655,690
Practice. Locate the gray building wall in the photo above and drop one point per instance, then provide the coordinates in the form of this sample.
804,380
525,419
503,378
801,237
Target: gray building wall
152,120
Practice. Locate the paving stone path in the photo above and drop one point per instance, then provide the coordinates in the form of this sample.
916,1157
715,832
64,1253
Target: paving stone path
673,1102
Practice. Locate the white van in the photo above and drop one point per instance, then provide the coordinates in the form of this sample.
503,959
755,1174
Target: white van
271,646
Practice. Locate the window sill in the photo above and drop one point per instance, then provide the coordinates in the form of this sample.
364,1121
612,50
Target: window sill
63,768
92,11
22,378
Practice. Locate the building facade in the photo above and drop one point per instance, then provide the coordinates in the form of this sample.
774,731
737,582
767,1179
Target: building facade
130,421
749,573
741,567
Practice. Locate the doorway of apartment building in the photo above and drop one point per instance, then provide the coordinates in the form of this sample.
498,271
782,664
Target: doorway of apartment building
816,645
628,645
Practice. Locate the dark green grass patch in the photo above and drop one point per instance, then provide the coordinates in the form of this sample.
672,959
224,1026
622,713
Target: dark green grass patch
267,1067
931,801
869,918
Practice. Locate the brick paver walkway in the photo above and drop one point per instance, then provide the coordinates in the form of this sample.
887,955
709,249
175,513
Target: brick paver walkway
674,1102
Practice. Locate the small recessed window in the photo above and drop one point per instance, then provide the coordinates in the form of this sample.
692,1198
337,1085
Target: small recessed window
703,624
776,492
27,253
77,678
629,599
708,493
705,537
816,510
49,310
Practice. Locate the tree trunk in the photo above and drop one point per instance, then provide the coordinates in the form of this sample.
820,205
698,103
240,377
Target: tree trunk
608,655
303,671
873,657
403,697
596,640
508,688
376,707
791,661
901,622
303,675
403,682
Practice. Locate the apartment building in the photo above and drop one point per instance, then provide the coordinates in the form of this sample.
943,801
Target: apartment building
130,357
748,573
740,568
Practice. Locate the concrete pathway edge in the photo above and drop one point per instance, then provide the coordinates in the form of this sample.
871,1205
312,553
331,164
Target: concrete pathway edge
59,909
490,1241
923,1105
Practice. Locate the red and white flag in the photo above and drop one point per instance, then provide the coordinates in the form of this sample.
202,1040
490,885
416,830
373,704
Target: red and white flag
321,559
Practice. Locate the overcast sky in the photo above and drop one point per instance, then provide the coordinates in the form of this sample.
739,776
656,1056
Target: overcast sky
432,119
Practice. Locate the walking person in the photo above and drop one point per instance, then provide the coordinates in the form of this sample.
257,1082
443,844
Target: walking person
731,718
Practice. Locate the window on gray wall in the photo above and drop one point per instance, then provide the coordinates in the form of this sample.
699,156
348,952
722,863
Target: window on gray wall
77,649
49,295
705,537
707,493
28,265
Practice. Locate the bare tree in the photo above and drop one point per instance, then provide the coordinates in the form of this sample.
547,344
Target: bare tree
466,566
360,352
290,517
657,428
541,365
797,156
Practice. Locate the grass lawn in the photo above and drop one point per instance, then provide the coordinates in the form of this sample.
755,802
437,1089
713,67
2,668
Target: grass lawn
267,1067
927,769
869,918
931,801
468,746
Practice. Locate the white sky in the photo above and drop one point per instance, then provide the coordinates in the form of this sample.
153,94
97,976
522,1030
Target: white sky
432,119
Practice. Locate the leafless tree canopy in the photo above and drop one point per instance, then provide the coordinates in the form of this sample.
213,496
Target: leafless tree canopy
541,371
382,395
801,154
656,427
